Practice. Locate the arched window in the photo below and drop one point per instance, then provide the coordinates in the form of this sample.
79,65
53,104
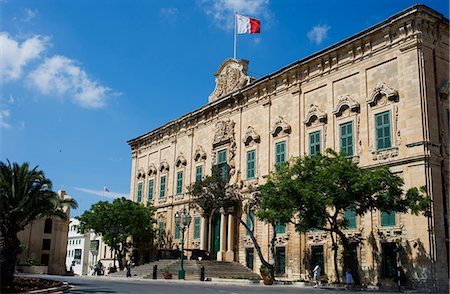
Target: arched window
48,226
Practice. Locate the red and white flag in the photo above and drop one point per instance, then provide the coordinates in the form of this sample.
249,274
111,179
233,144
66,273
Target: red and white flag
247,25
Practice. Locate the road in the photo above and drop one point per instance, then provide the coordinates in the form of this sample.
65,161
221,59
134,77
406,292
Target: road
110,285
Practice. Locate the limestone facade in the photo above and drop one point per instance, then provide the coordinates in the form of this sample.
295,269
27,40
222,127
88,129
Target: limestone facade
388,85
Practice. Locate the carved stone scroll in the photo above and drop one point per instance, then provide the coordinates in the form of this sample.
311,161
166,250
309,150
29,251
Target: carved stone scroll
152,170
344,102
199,154
224,132
381,90
251,136
164,166
315,114
280,126
231,76
181,161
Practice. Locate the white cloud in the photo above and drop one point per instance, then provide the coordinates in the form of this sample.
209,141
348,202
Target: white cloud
102,193
14,56
30,14
4,114
318,34
169,12
61,76
222,11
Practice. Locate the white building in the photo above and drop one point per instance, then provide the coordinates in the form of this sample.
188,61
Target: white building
86,250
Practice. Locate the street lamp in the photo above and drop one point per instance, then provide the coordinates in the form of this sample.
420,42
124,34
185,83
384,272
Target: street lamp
182,221
114,231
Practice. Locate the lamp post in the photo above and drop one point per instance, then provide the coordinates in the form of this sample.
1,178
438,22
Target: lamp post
114,231
182,221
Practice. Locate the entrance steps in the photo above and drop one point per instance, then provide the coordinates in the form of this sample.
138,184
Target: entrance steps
213,269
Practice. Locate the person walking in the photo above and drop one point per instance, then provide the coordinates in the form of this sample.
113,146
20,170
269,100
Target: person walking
128,266
316,275
349,278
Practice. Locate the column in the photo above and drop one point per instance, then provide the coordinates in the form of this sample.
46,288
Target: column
230,244
223,237
203,235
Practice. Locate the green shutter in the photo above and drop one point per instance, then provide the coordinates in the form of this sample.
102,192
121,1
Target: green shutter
139,193
314,143
179,182
198,173
280,154
161,230
196,227
383,130
346,137
251,164
280,228
350,216
177,231
388,218
249,221
162,187
222,163
150,190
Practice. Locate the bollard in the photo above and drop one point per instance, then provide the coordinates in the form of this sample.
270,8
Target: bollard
155,271
202,273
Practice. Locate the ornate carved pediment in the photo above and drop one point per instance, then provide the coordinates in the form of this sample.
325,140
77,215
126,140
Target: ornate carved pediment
140,173
344,102
315,114
152,170
280,126
164,166
199,154
382,90
443,91
231,76
180,161
250,135
224,132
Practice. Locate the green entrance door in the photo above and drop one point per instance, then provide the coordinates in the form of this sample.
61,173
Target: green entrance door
216,237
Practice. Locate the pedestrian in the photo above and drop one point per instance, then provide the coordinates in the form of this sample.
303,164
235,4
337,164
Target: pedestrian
316,275
349,278
128,267
71,267
98,268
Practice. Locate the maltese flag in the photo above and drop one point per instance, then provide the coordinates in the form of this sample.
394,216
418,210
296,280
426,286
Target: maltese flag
247,25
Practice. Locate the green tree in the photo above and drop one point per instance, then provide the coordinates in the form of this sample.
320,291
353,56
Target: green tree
25,196
313,192
214,194
119,220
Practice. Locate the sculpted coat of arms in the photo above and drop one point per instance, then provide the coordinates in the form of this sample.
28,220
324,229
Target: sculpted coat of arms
230,76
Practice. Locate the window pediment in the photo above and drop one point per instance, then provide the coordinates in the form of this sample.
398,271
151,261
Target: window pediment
382,90
152,170
199,154
181,161
140,173
280,126
315,114
164,166
251,136
344,102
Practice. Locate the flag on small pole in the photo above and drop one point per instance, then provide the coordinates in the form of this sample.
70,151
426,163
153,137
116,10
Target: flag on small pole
245,25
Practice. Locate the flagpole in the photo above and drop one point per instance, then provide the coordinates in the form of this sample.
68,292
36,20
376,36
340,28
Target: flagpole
235,29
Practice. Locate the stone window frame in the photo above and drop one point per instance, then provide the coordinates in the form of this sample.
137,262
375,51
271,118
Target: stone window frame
316,120
200,160
163,172
280,132
348,110
151,178
383,98
141,183
152,172
180,164
251,142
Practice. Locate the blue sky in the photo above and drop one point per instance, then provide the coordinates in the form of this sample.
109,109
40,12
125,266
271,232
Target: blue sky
80,78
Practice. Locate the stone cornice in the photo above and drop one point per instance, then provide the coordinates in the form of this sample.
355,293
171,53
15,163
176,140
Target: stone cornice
402,26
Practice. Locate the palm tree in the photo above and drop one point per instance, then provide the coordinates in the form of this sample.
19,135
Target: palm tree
25,196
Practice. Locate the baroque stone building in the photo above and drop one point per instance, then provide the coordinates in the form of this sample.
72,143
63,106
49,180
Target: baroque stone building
380,95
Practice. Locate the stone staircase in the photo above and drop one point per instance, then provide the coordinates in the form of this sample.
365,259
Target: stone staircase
213,269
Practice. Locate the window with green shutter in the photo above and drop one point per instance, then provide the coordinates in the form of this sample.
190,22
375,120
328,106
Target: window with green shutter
179,182
249,221
280,154
198,173
222,163
388,218
162,187
314,143
161,226
347,138
196,227
150,190
280,228
177,231
383,130
251,164
139,193
350,216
